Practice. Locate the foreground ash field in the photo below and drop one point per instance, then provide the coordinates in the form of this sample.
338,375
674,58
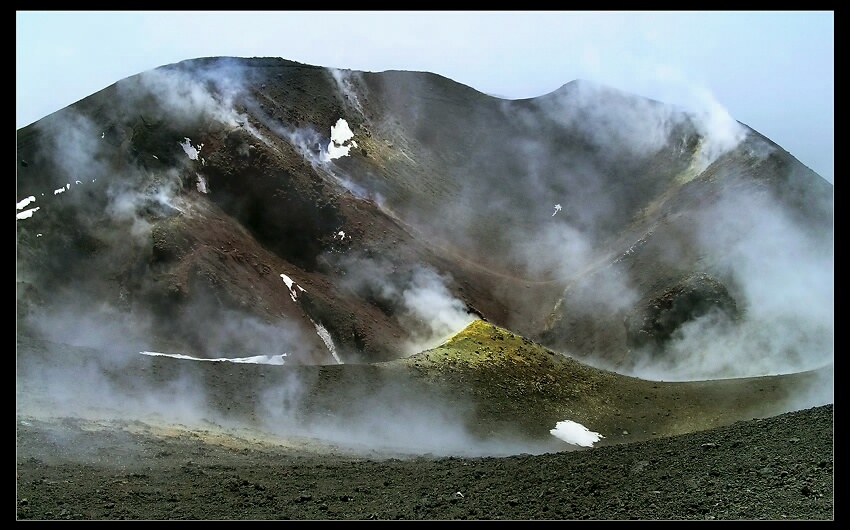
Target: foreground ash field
246,278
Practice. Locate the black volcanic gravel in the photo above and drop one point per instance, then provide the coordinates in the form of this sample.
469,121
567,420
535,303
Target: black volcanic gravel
769,469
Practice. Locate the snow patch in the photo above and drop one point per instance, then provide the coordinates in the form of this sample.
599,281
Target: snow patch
575,433
256,359
191,150
26,214
203,187
292,286
341,140
26,202
326,338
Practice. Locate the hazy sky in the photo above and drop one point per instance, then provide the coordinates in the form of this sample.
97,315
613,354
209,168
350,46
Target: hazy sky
772,70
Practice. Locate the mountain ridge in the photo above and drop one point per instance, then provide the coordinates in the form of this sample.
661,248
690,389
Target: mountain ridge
208,214
250,288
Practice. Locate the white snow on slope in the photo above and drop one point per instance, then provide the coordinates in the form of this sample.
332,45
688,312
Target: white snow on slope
26,202
293,293
26,214
575,433
341,140
191,150
326,338
256,359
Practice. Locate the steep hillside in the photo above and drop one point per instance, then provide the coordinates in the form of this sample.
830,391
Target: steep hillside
395,264
229,207
575,218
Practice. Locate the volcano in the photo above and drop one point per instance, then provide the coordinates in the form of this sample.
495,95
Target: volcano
397,264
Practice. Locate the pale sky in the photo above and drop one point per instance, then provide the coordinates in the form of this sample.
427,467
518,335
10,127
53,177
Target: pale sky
771,70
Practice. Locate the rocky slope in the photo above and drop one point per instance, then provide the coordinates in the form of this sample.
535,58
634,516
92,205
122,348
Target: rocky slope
316,235
559,217
781,468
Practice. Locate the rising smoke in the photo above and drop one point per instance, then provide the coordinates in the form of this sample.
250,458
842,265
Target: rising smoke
418,299
111,202
783,275
786,291
103,341
499,205
390,419
186,94
347,82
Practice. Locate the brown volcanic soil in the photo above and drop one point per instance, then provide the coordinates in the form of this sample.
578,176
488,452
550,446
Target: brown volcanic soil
438,188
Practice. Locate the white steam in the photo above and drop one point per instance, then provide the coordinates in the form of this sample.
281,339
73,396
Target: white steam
428,300
613,120
421,300
90,364
555,248
346,81
73,149
786,290
126,194
616,121
189,95
719,132
82,370
391,419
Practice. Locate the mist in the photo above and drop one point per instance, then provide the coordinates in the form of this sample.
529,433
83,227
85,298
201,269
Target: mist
187,95
564,196
782,278
91,314
108,364
418,299
392,419
101,373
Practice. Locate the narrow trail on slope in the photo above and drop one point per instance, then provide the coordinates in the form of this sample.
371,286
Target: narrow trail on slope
603,261
457,255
